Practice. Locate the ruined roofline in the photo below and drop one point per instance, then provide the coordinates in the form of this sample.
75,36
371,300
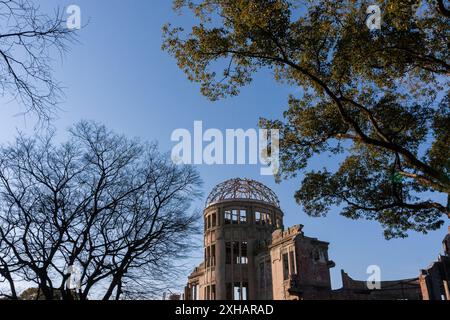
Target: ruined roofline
280,236
346,277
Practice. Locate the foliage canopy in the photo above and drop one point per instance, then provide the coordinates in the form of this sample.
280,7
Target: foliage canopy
377,98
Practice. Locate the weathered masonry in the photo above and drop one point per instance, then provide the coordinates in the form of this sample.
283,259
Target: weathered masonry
249,256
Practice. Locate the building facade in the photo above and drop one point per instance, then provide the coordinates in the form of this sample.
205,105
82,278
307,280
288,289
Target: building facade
247,255
403,289
435,280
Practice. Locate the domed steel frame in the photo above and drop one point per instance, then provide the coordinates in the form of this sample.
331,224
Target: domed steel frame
239,189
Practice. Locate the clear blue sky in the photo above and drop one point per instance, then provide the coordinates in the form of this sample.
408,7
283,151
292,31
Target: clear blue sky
119,76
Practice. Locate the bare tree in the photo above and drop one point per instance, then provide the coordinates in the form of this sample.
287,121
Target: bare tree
28,40
8,266
111,207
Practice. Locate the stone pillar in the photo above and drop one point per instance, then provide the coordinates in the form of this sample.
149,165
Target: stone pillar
220,266
252,287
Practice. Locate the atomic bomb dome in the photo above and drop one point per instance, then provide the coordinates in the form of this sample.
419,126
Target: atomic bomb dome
250,255
242,189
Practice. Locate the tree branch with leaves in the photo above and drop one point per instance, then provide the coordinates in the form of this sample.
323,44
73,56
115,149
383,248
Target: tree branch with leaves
378,98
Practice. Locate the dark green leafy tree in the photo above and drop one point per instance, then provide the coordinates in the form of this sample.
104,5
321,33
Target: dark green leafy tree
378,98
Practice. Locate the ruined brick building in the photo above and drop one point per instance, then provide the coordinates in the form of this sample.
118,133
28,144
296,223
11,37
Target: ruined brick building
435,280
249,254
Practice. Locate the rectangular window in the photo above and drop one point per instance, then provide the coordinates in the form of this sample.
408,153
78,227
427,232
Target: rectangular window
236,257
207,256
285,266
214,220
242,216
228,252
195,293
239,252
244,258
262,218
227,216
244,290
213,255
229,291
234,216
257,217
240,291
237,291
316,255
292,262
213,292
265,218
209,221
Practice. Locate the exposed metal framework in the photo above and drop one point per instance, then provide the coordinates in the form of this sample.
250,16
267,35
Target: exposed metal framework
242,189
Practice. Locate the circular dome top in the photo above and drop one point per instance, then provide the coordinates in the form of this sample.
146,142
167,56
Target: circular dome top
242,189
